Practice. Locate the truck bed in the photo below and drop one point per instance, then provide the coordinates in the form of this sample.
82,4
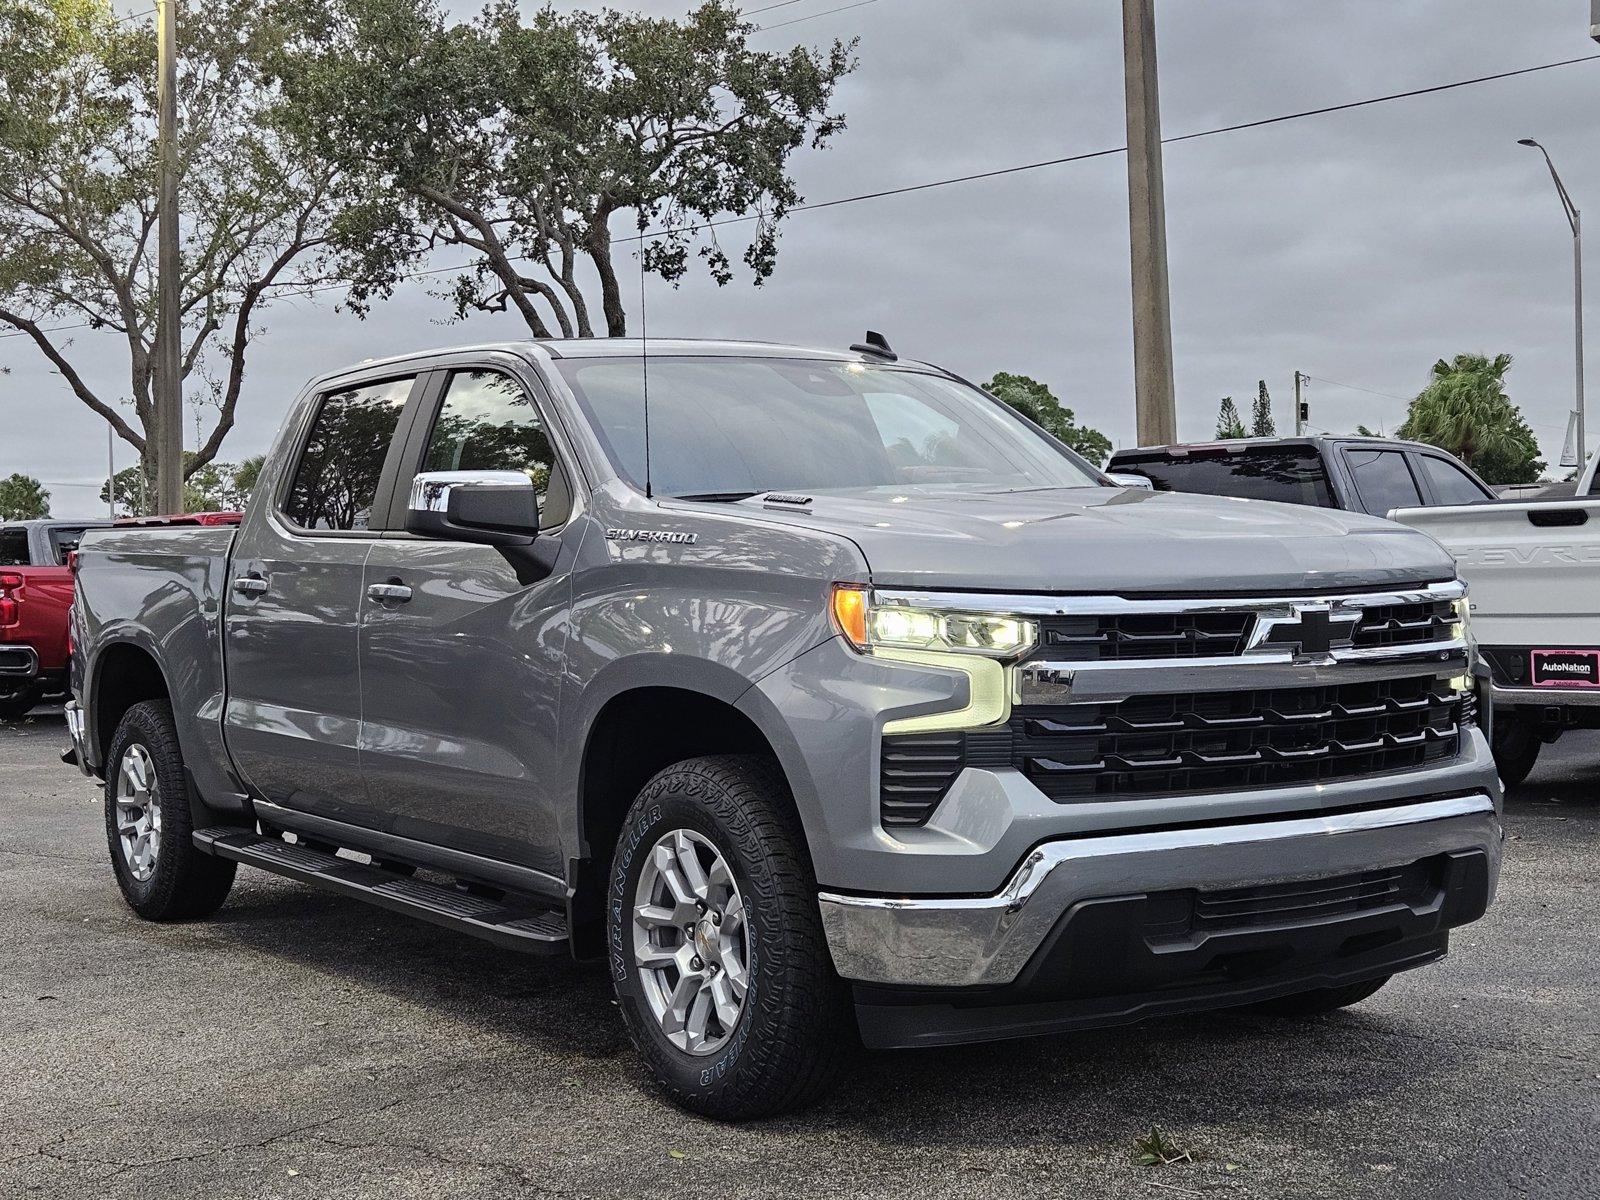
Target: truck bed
1533,568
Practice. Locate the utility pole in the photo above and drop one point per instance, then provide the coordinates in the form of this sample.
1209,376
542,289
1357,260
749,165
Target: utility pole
1302,410
1147,226
111,472
168,380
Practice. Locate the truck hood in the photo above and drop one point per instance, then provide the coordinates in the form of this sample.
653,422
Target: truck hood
1113,540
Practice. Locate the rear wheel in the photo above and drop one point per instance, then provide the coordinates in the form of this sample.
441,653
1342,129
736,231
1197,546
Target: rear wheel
149,822
717,953
1321,1000
1516,748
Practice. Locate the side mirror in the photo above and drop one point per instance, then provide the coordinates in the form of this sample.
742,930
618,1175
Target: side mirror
490,508
1128,479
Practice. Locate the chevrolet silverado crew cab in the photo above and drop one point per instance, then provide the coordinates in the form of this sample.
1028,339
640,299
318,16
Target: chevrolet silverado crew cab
1359,474
816,693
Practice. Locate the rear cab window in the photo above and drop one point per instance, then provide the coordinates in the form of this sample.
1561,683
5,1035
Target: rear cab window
336,480
14,548
1288,474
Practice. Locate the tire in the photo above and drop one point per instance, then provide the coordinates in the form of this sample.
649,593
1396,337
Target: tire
1516,748
792,1026
176,882
20,703
1321,1000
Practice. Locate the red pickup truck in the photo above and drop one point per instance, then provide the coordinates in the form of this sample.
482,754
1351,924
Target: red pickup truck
35,594
36,589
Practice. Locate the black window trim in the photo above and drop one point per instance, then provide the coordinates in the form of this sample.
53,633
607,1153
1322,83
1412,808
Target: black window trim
1422,489
429,404
383,500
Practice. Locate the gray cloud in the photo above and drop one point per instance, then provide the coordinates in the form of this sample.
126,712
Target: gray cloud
1357,247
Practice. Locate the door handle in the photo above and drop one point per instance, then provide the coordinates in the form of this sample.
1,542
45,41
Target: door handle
393,593
250,585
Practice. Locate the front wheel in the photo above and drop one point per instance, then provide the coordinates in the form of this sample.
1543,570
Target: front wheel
717,953
149,823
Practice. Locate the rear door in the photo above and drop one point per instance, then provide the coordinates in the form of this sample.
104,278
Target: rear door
460,679
294,696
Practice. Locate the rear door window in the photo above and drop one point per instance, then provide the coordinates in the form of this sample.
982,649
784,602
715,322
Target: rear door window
1289,474
64,540
336,482
1451,485
1383,480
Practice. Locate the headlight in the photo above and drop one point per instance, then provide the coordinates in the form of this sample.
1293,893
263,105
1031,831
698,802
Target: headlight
1461,619
900,627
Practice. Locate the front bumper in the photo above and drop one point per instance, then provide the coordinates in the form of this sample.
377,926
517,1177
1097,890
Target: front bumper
987,941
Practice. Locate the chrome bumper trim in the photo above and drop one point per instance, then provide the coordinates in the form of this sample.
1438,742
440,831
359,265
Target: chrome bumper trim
19,662
1545,697
987,940
75,732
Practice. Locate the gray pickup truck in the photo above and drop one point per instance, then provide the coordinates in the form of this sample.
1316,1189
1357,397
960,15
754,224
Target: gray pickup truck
816,693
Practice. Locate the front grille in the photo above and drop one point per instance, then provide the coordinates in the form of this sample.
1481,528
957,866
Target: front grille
1404,624
1218,741
1184,743
1313,899
1143,636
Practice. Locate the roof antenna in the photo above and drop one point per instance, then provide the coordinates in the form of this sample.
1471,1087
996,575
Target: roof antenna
876,345
644,355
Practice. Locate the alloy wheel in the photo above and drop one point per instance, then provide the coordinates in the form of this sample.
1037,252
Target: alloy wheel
139,812
691,942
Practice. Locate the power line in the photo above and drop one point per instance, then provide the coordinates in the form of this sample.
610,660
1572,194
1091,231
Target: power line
981,175
828,12
1356,387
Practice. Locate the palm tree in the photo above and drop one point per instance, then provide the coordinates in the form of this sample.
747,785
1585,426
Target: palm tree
1465,410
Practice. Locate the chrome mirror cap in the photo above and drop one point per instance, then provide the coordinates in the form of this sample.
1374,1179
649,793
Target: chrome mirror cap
430,490
1125,479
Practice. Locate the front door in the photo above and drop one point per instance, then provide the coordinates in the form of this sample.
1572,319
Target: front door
293,711
461,668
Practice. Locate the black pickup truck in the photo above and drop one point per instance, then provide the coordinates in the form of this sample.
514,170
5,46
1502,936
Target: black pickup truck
1359,474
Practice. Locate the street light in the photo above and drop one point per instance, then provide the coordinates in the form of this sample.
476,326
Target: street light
1574,219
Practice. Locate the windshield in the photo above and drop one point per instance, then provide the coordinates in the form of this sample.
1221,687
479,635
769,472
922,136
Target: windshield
1289,474
730,427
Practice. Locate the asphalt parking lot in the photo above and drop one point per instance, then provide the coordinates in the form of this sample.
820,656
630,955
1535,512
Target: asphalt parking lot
305,1046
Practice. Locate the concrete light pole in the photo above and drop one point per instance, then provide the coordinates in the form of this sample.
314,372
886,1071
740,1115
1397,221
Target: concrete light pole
1147,224
1575,220
169,329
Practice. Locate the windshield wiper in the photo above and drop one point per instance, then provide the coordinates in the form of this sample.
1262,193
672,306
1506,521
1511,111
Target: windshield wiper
719,497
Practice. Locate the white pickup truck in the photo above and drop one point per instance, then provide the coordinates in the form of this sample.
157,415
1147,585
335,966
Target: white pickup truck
1533,570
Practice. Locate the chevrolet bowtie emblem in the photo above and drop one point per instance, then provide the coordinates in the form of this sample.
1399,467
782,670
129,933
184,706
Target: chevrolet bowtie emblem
1310,632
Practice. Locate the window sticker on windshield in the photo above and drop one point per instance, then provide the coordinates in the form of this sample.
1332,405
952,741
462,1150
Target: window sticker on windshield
1566,668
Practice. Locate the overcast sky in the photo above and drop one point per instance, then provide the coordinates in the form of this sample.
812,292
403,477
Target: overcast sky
1357,247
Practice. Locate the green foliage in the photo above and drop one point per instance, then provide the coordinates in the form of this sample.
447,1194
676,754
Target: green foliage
1156,1149
1039,404
23,498
1228,423
209,487
1465,410
1261,422
520,140
78,181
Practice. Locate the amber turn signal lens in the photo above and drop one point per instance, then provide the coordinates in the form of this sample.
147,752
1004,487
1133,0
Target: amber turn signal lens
850,613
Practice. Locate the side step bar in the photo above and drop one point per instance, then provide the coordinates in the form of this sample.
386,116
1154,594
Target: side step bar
515,925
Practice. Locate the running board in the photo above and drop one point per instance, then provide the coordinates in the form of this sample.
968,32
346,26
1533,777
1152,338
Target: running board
517,925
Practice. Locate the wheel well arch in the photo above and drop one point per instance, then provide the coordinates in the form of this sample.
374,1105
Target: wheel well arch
125,674
634,735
